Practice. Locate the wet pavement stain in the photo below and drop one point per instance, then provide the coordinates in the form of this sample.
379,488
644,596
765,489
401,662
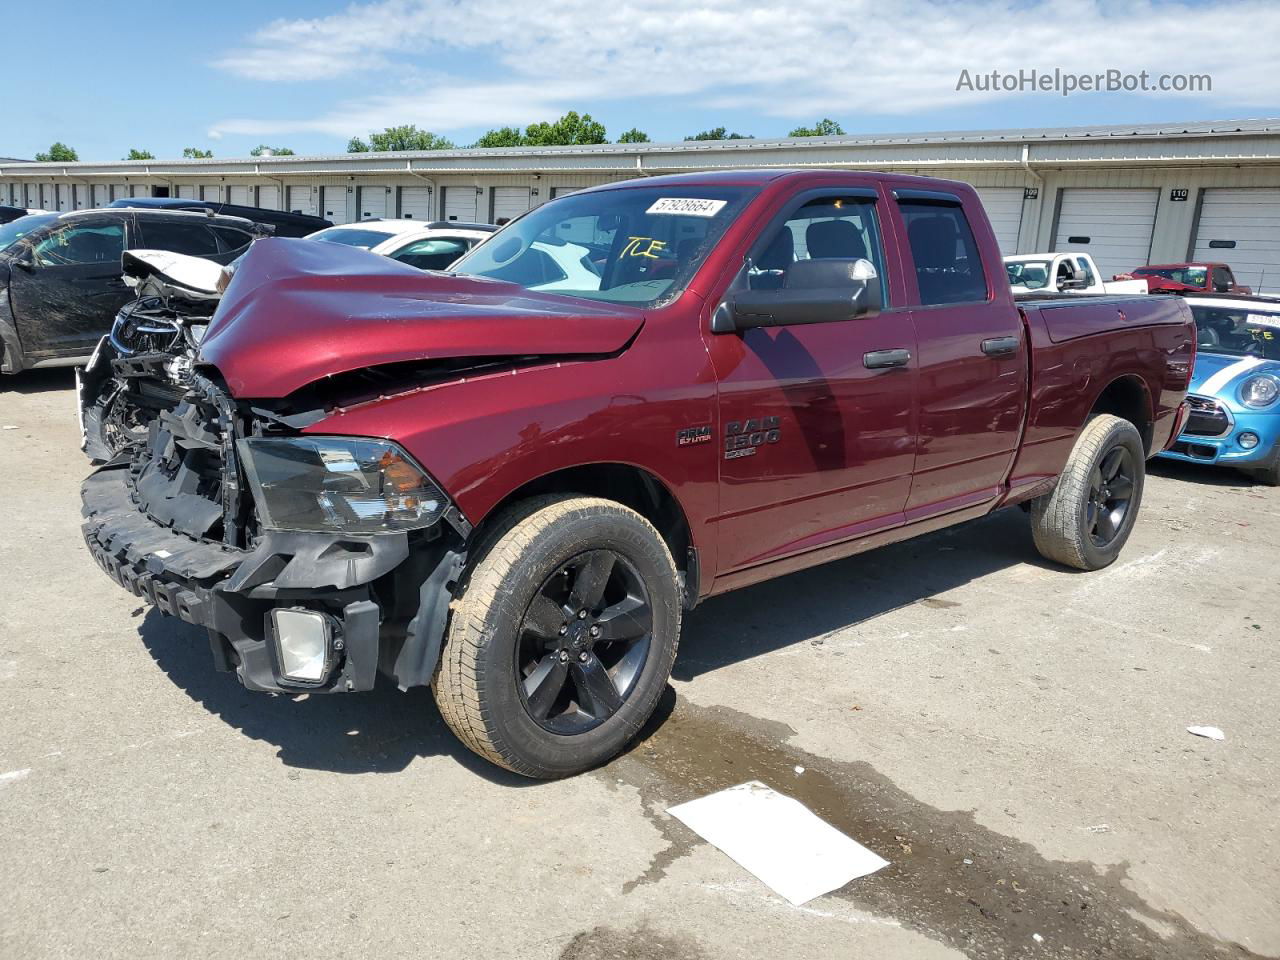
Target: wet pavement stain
642,943
950,878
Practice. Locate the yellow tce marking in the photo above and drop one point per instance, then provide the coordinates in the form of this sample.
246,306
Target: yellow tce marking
644,247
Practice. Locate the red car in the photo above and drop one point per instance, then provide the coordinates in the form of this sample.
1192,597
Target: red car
1187,278
510,481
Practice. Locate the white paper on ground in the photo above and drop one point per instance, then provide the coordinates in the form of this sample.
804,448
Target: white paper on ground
1213,733
796,853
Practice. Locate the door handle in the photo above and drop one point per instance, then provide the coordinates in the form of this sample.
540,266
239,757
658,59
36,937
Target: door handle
883,359
1000,346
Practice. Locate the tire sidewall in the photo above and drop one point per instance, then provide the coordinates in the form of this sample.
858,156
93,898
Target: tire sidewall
1121,433
553,546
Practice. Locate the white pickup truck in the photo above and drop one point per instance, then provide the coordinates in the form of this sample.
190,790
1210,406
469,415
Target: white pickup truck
1063,273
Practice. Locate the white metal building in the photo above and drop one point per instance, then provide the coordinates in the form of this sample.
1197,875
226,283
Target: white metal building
1129,195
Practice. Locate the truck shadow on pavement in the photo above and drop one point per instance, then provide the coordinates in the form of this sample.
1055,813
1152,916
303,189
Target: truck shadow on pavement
382,731
812,603
385,730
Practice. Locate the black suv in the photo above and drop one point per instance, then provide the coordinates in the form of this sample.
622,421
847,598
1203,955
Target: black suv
60,274
286,224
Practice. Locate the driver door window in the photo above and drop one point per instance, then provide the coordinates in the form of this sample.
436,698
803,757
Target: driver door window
84,243
827,228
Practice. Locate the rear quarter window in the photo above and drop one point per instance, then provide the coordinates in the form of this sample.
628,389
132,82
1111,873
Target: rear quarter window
945,253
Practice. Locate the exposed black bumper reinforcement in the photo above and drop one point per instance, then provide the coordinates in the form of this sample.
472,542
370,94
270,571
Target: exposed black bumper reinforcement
231,592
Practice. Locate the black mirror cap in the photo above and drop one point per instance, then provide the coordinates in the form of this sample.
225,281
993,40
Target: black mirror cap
747,309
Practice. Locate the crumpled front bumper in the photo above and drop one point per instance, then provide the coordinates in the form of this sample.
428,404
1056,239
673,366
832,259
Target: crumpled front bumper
231,592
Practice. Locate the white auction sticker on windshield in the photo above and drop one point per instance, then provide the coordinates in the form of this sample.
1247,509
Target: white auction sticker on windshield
687,206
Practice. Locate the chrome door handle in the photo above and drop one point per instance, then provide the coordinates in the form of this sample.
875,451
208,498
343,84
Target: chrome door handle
1000,346
883,359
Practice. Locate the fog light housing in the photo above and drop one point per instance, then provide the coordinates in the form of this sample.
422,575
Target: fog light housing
304,644
1248,439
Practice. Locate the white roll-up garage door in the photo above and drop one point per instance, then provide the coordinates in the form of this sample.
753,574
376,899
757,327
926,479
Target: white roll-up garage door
210,192
1241,228
120,191
239,195
1004,210
509,202
1112,224
333,205
188,190
101,194
460,203
80,196
373,202
301,199
269,197
415,203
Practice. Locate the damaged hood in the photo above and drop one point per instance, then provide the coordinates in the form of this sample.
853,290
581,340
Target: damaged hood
162,273
300,310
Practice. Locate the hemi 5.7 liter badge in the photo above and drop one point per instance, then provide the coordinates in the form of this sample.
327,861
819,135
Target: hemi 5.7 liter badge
691,435
743,439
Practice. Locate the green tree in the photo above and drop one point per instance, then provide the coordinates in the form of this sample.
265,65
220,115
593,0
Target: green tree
136,154
634,135
407,137
58,153
262,148
826,127
502,137
719,133
195,153
569,129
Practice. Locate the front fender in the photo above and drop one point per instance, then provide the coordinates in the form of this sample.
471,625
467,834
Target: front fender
12,359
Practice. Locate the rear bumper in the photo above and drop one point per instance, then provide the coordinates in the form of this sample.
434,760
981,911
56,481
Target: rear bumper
231,592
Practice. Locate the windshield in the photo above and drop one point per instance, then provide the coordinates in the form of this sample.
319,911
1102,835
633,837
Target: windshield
351,237
15,230
638,246
1237,332
1032,274
1191,276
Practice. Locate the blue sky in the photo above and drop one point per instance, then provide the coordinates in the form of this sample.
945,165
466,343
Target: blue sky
230,75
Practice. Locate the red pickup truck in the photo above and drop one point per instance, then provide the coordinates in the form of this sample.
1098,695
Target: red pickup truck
1188,278
509,481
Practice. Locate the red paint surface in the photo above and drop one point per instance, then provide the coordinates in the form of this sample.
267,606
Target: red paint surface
864,457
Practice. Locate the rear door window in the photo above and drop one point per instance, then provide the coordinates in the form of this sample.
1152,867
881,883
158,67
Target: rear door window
948,267
230,239
192,238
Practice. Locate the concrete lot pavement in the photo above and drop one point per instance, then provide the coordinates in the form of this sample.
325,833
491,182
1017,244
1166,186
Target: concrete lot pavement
1010,735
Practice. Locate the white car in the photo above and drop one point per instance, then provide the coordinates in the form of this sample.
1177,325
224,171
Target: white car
427,246
1063,273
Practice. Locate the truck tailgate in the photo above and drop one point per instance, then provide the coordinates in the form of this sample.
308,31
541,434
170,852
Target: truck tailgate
1074,317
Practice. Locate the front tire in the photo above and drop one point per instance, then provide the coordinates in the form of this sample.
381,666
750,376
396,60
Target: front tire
562,638
1085,521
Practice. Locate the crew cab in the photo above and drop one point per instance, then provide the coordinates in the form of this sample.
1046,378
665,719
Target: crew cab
1064,273
60,274
1189,278
513,494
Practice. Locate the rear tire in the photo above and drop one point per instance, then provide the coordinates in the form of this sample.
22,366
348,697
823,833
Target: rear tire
1085,521
562,639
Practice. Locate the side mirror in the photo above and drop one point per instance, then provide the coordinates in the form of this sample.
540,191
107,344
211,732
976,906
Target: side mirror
816,291
26,262
1073,284
1222,288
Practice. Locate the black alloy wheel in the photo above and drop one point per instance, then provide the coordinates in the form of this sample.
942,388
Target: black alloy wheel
1110,493
583,642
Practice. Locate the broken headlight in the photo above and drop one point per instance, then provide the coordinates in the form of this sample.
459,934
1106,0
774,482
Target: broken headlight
339,485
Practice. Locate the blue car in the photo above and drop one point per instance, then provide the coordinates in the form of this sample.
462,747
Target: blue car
1235,389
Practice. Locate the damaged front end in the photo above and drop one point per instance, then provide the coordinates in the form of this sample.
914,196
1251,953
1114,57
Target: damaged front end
313,563
141,367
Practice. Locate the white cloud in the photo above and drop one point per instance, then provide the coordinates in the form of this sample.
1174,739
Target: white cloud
800,59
